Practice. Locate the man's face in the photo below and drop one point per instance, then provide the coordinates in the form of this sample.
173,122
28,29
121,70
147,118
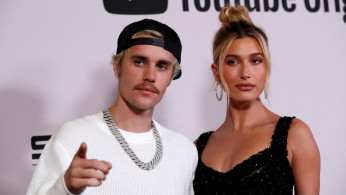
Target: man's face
144,74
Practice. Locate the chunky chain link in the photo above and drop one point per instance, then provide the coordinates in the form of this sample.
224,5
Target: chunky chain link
115,131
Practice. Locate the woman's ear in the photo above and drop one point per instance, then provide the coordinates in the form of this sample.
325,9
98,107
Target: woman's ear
216,72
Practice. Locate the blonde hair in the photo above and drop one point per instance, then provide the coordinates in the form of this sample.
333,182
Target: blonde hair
235,24
118,58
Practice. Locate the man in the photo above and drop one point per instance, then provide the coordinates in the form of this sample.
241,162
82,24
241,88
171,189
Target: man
122,150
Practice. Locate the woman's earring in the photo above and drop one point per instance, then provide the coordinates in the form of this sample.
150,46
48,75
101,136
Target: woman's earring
265,91
219,98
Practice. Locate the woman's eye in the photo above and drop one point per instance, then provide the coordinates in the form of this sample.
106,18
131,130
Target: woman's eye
256,61
232,62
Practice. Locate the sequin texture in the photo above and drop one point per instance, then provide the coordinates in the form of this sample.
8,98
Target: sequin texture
267,172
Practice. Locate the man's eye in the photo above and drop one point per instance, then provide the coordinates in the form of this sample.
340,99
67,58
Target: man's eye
162,66
139,62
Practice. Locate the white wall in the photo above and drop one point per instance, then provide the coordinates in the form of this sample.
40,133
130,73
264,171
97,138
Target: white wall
54,67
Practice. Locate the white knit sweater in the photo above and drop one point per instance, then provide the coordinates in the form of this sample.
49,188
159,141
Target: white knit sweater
172,176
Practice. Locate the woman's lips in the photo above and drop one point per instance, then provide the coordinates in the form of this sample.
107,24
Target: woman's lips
245,87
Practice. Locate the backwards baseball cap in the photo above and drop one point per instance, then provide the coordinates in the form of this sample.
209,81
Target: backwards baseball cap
170,41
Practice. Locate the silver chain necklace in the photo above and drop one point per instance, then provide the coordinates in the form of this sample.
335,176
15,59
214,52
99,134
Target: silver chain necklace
115,131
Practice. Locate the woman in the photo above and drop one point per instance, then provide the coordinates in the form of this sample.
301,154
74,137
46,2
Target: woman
254,151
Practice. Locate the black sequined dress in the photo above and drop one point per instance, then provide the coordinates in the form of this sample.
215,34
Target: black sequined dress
267,172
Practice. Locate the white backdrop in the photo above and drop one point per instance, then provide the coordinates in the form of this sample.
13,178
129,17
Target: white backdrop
54,59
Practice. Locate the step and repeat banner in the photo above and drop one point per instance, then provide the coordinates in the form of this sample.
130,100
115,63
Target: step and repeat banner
55,67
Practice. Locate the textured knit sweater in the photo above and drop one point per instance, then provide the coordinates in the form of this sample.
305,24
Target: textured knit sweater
172,176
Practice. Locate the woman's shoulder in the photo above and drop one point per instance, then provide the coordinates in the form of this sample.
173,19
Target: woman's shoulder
300,137
202,137
295,126
304,157
299,130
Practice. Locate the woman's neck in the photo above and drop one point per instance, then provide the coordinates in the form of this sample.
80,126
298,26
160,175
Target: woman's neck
241,115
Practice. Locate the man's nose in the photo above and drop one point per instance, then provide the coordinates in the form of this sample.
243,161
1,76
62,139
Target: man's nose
149,73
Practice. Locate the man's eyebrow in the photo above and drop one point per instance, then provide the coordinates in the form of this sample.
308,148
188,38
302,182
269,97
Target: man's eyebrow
166,62
146,59
140,57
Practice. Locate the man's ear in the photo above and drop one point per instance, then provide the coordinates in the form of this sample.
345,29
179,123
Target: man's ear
115,67
216,72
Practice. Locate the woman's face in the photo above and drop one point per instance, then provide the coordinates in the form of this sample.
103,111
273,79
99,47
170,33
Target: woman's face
244,70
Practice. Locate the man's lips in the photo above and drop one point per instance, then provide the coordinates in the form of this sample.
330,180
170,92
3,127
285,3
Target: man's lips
245,87
147,88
